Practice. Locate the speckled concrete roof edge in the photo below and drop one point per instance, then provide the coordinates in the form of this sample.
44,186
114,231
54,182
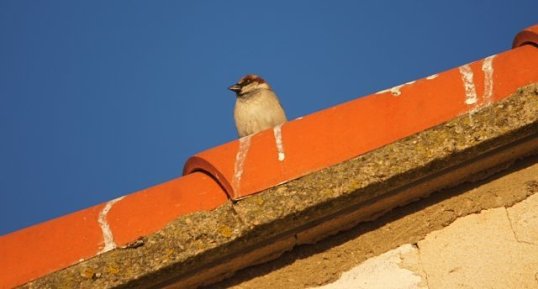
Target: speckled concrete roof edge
207,246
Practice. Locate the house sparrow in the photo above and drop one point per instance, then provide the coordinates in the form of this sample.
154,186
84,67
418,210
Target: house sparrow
256,107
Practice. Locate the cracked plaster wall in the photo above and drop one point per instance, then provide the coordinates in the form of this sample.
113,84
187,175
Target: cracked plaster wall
496,248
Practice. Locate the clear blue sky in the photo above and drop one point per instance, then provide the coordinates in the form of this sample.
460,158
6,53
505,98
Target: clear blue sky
99,99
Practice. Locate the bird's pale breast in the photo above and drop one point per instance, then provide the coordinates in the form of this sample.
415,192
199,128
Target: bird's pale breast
258,112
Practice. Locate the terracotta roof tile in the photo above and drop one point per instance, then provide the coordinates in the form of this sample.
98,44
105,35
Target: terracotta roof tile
526,37
37,250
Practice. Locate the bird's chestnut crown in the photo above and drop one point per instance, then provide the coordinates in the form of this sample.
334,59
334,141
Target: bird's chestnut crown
249,83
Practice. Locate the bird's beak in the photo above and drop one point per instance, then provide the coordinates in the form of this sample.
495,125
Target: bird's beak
235,88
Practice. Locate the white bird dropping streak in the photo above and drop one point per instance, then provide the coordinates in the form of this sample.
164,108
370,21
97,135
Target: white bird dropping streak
244,145
277,131
396,89
468,82
487,68
108,237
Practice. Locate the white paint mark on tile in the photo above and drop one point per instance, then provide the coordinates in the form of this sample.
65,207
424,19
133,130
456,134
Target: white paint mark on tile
277,131
487,68
433,76
108,237
244,145
468,82
396,89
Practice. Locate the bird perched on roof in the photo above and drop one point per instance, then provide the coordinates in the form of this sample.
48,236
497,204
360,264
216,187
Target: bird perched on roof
256,107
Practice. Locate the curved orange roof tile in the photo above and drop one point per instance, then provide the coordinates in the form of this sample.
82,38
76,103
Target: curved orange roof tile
53,245
527,36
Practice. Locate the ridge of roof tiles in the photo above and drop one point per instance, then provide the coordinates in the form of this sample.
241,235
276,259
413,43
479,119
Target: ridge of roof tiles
252,164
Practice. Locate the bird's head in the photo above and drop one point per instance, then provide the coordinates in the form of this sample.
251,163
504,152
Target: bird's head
249,83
